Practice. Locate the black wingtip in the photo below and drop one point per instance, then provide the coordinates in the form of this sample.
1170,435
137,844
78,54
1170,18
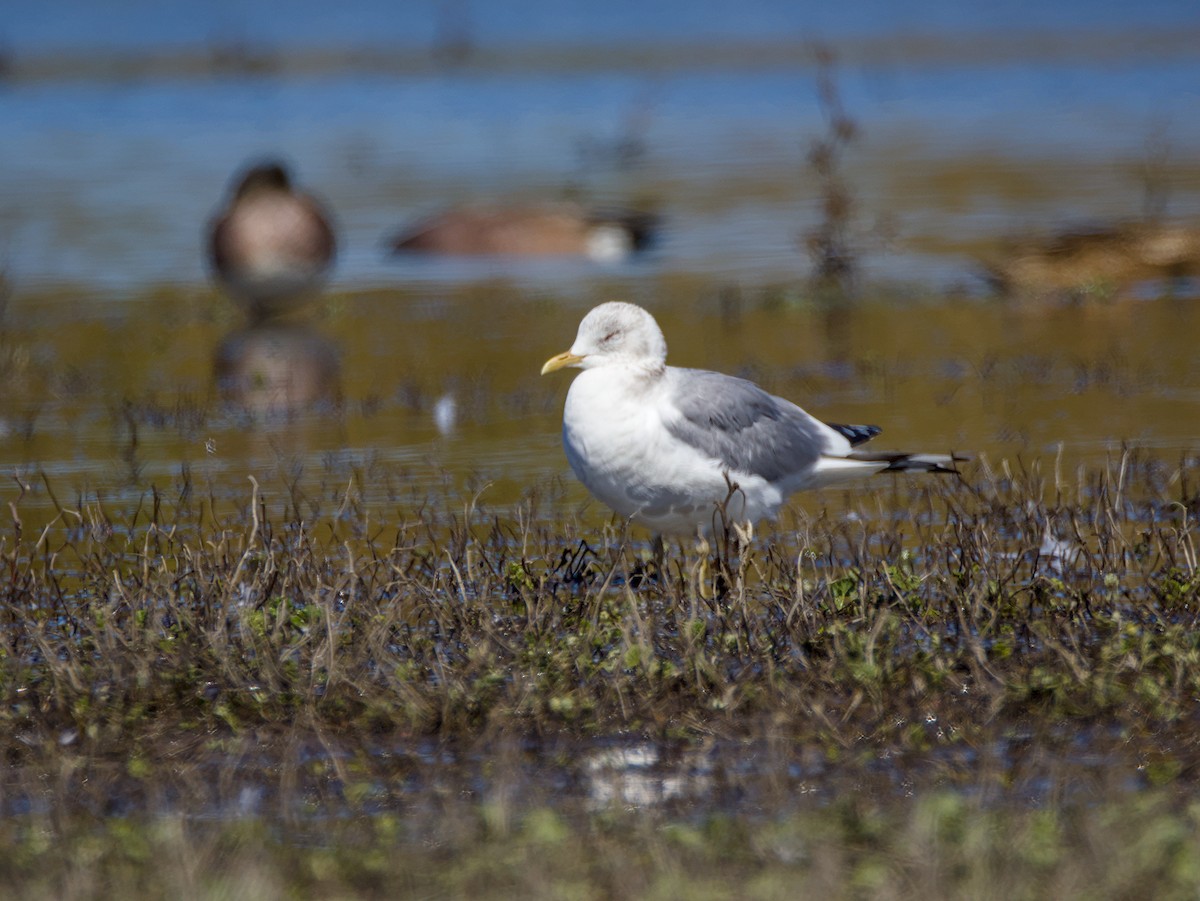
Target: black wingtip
898,461
855,434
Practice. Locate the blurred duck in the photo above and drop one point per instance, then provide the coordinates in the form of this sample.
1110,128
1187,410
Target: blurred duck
271,247
1103,261
531,230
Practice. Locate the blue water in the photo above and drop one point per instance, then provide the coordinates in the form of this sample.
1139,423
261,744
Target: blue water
84,24
107,181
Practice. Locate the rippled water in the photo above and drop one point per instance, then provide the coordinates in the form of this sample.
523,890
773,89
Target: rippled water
122,126
106,404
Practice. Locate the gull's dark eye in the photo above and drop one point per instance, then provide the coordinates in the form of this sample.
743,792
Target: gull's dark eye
609,336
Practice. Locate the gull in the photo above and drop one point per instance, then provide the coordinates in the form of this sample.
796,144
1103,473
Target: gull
271,246
683,450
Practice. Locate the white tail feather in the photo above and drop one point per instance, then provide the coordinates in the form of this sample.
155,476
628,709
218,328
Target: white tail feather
835,470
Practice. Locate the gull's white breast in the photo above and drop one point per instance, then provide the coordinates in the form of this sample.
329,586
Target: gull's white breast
619,447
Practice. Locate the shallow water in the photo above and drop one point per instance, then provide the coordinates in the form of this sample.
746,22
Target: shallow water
108,403
973,124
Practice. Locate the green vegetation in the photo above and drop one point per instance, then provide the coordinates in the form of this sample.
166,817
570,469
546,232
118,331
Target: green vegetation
982,688
955,603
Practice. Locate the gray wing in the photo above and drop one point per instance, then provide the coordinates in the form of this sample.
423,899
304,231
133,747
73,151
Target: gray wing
735,421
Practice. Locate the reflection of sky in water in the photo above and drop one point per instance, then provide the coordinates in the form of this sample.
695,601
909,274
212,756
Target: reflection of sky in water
109,182
134,23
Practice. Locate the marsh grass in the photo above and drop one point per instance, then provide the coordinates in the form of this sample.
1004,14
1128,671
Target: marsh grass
921,687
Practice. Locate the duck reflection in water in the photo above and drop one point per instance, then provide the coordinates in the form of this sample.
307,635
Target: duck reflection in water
270,250
274,369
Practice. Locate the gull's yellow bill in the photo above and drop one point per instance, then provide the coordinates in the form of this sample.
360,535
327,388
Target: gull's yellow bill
563,360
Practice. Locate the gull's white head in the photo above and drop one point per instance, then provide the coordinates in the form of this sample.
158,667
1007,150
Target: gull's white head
614,333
